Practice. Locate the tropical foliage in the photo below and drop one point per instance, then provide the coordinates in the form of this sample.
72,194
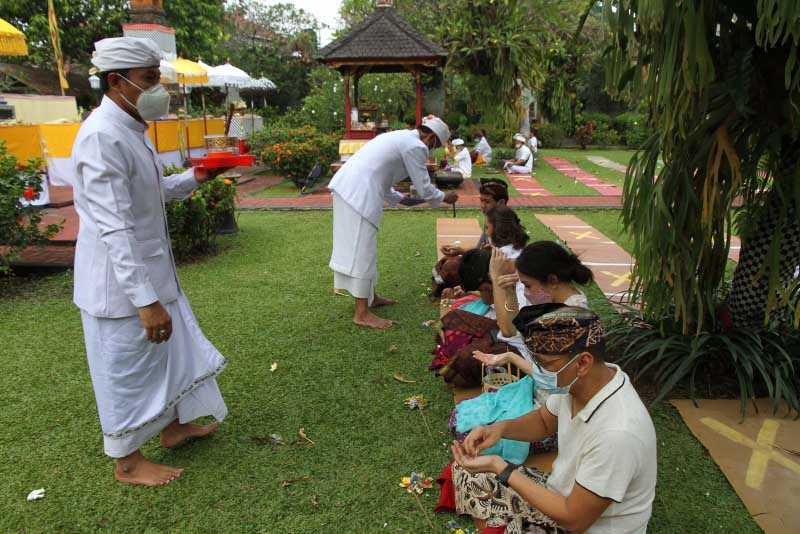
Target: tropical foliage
293,152
20,224
193,222
722,82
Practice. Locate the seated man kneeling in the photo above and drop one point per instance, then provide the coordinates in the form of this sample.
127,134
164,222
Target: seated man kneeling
604,476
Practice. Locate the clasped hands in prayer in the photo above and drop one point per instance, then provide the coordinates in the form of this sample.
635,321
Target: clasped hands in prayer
502,270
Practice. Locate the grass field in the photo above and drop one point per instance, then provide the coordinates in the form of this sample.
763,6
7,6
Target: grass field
267,298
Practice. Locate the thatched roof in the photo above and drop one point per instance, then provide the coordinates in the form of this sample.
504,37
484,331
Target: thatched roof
383,36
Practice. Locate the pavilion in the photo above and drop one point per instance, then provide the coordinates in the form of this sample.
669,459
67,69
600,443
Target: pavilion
381,43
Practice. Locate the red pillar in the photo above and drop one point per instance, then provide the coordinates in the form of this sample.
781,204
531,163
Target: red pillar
418,84
346,106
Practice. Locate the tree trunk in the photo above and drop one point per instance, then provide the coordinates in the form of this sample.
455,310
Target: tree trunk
750,287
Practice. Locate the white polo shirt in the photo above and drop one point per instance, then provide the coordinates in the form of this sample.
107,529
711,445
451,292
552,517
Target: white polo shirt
609,448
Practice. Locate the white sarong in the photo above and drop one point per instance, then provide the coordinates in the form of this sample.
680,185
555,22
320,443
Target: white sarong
140,386
354,259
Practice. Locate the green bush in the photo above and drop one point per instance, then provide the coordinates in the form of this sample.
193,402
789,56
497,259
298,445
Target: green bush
551,135
293,152
497,136
602,121
19,225
633,128
608,137
193,222
499,155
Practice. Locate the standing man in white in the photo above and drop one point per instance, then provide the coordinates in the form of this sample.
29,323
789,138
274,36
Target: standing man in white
152,368
360,188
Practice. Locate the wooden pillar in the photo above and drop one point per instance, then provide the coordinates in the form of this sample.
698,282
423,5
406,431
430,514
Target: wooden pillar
347,105
418,86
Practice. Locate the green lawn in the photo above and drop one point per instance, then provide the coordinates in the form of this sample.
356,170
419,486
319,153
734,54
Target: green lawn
259,306
284,189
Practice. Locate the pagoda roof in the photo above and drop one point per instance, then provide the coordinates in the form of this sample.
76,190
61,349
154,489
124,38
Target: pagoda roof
384,37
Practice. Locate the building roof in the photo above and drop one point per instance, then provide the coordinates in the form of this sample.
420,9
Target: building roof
383,35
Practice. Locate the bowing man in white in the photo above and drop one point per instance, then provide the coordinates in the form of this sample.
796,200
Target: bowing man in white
463,161
152,368
360,188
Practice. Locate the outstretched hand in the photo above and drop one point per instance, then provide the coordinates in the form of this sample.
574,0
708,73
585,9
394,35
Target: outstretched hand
493,360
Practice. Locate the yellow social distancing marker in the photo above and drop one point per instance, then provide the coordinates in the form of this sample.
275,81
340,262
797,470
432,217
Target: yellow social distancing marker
584,235
763,449
619,279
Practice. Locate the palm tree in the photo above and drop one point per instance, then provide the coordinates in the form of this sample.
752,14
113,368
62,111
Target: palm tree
722,78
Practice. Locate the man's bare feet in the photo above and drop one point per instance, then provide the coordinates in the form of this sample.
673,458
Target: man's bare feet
379,302
176,434
137,470
372,321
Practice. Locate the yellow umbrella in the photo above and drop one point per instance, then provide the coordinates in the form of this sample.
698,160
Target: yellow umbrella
12,41
189,72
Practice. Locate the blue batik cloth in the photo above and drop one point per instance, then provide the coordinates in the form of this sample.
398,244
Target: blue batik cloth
478,307
509,402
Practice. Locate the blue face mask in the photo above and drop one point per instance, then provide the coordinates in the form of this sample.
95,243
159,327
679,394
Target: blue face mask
547,381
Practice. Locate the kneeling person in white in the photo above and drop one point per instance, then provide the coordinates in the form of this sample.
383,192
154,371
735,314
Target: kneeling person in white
152,368
604,476
360,188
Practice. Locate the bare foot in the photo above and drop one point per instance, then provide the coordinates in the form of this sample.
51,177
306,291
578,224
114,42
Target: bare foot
137,470
176,434
372,321
379,302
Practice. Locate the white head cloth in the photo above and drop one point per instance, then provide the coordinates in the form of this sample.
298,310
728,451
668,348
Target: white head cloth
117,53
438,127
519,137
458,142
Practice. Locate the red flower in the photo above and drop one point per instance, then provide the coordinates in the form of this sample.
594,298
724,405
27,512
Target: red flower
29,193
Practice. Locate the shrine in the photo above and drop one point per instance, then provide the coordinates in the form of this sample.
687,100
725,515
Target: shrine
381,43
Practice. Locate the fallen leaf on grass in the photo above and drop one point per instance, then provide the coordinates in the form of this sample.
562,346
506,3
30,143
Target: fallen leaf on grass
287,483
272,439
302,434
273,367
400,378
315,501
36,494
417,254
392,348
428,323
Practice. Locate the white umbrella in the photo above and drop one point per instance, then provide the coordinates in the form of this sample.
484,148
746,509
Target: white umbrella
260,83
227,74
168,74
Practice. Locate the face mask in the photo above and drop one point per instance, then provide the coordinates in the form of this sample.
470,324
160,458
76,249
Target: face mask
547,381
538,296
152,103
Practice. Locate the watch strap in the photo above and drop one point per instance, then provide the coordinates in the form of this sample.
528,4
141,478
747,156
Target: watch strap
505,474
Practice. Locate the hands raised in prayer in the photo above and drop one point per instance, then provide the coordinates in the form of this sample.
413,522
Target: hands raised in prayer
475,463
502,270
452,292
451,250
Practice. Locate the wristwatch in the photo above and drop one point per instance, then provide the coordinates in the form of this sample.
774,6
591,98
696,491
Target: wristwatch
505,474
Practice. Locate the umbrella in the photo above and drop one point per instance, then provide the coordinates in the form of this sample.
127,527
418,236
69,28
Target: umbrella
263,84
188,72
168,74
12,41
226,74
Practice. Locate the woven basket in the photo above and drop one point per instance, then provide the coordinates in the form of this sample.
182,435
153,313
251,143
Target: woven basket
495,381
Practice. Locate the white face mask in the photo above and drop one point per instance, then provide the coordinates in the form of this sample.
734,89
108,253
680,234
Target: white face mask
548,380
152,103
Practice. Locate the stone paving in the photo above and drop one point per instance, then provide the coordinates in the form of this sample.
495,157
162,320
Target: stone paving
607,163
588,179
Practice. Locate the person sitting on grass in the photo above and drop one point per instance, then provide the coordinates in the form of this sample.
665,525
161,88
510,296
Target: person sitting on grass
469,326
482,153
544,272
523,159
462,163
493,193
604,476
